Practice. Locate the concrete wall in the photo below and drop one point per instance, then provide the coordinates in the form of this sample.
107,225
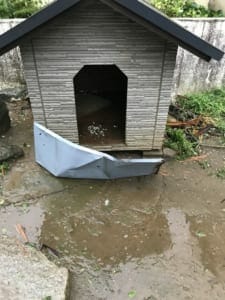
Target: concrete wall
11,67
192,74
93,33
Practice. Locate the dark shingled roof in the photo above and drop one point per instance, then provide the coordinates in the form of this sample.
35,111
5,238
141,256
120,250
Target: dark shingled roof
145,14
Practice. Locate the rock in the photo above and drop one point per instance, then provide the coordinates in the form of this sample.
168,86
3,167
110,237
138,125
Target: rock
10,151
169,153
26,273
4,118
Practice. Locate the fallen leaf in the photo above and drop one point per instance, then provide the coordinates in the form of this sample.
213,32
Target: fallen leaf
132,294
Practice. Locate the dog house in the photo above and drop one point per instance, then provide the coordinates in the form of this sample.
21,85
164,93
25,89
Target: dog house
99,72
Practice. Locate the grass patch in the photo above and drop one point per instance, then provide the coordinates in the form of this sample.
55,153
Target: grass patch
176,140
208,104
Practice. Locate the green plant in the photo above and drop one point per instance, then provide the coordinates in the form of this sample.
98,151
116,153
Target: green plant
3,168
177,140
221,173
204,164
19,8
210,104
184,8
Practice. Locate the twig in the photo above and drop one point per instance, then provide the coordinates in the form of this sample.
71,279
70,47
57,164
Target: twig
140,211
20,230
197,158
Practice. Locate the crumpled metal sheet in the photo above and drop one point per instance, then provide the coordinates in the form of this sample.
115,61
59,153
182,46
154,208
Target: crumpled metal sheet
63,158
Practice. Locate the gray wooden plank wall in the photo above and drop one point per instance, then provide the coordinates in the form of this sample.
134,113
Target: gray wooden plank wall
92,33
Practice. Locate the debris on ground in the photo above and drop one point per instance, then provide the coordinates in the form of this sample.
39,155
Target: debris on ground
97,130
193,118
21,231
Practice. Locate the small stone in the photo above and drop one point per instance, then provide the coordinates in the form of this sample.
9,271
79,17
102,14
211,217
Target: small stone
107,202
169,153
9,151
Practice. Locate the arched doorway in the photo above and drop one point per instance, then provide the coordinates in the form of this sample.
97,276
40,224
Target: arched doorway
101,100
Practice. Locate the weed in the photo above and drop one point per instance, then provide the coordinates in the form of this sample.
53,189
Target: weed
221,173
209,104
3,168
204,164
176,140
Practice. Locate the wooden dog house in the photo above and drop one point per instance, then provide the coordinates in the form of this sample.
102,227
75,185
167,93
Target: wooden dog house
99,72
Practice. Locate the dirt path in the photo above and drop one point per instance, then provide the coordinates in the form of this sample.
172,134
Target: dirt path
159,237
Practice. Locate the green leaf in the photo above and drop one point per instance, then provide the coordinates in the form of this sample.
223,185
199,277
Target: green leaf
200,234
132,294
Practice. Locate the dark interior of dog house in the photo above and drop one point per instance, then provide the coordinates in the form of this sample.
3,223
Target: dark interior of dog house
101,101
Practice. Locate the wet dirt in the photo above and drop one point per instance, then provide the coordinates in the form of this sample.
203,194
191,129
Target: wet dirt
159,237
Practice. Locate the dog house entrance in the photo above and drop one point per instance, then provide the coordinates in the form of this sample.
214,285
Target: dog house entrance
101,98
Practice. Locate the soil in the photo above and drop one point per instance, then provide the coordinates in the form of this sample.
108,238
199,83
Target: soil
159,237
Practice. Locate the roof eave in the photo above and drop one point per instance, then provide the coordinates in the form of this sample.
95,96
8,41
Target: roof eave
9,40
183,36
167,28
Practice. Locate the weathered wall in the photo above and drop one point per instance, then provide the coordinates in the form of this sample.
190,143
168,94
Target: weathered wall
192,73
11,68
99,35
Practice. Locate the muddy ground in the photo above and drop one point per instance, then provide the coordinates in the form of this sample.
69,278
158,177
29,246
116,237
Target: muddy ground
158,237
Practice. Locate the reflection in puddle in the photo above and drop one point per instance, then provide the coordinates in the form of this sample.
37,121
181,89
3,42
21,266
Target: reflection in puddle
107,238
30,217
114,246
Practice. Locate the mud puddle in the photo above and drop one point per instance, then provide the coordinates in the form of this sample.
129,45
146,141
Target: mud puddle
159,237
116,249
120,242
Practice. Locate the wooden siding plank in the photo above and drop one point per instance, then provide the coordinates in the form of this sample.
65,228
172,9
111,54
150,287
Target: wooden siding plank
95,34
